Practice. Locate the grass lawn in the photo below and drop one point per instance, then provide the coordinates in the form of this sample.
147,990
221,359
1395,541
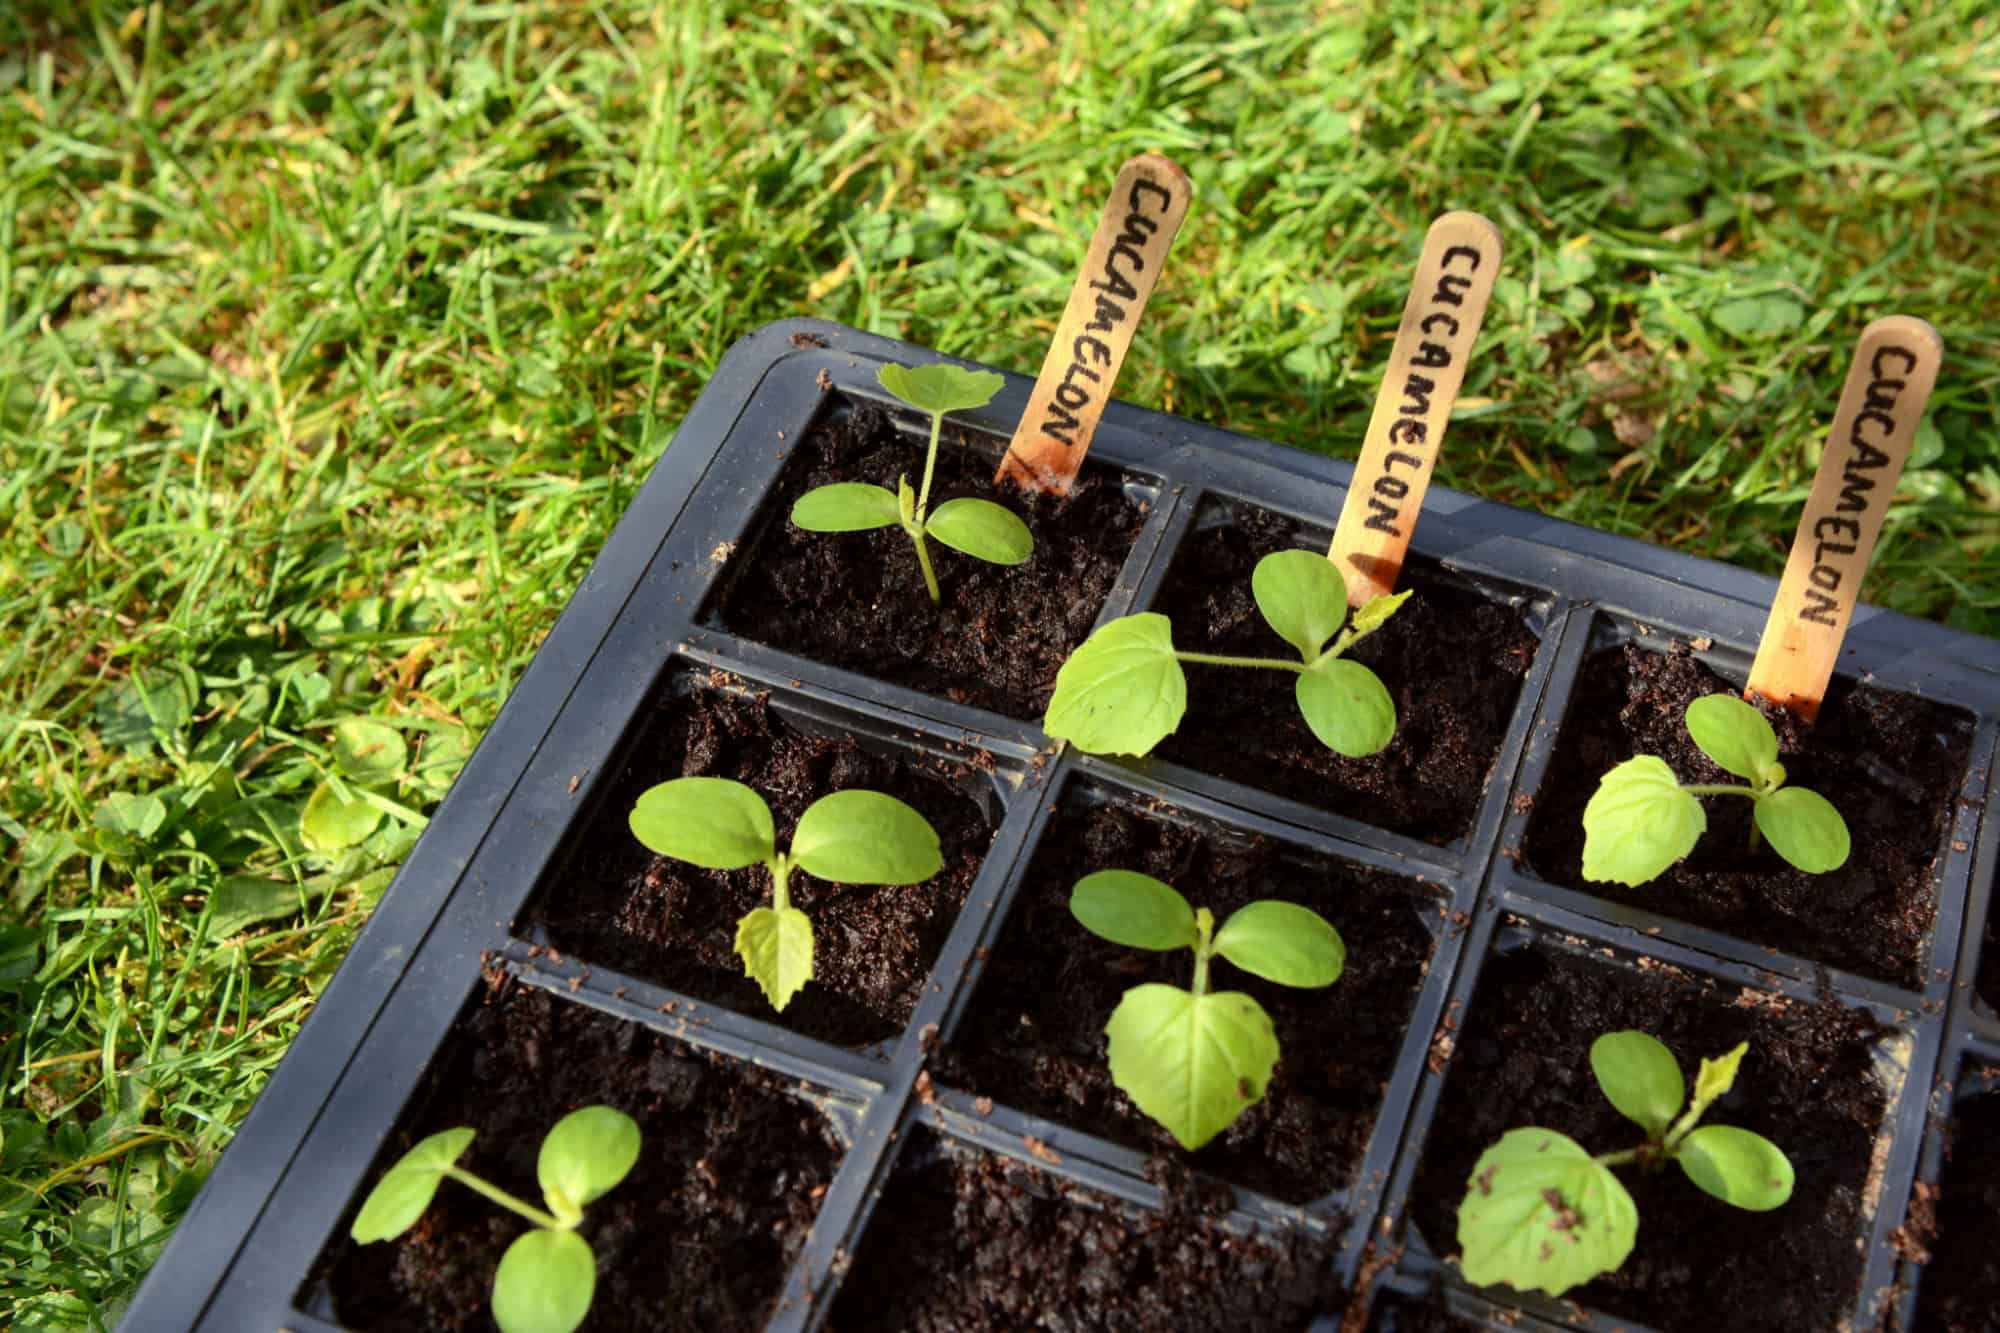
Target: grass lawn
333,339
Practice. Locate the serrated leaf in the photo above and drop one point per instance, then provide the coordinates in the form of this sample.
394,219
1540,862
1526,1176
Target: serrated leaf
544,1283
1639,822
329,824
1191,1062
1540,1215
939,388
1714,1078
1134,910
710,822
1737,1166
1123,691
845,506
1302,596
1347,707
1376,611
983,530
1640,1077
1804,828
776,947
1283,942
1734,734
367,751
865,837
584,1155
406,1188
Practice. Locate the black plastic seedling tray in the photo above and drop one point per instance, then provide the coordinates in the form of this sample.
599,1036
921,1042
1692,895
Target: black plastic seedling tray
640,633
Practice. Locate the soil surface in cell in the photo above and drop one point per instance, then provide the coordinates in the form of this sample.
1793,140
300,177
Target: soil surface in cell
1523,1059
1960,1290
974,1243
1890,763
1034,1035
1452,658
618,905
698,1237
1397,1314
858,600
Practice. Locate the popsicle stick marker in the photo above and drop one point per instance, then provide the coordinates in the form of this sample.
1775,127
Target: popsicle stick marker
1454,282
1148,201
1895,367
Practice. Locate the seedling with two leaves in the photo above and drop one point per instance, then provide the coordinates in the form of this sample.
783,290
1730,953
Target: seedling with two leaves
848,837
547,1276
1540,1213
1123,691
980,528
1642,819
1194,1060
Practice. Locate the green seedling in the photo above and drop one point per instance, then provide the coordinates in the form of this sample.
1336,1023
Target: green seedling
1124,691
547,1276
849,837
1540,1213
1191,1059
980,528
1642,819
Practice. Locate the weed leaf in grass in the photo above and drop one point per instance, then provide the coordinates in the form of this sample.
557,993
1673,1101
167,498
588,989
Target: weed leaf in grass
1302,596
1123,691
544,1283
329,824
1347,706
865,837
1639,822
982,529
585,1155
408,1187
1134,910
846,506
1283,942
367,751
1541,1215
1640,1077
939,387
776,946
1191,1062
1804,828
1735,735
710,822
1737,1166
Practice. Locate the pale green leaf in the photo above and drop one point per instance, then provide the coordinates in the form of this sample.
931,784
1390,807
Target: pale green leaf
406,1188
1283,942
1132,909
939,388
1759,318
1192,1063
1375,612
1804,828
544,1283
711,822
983,530
776,946
367,751
329,824
1639,822
1123,691
865,837
1640,1077
1737,1166
136,817
1347,707
241,901
1302,597
1733,734
585,1154
1540,1215
845,506
1715,1077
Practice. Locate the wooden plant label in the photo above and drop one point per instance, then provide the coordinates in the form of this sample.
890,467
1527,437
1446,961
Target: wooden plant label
1441,321
1895,366
1148,201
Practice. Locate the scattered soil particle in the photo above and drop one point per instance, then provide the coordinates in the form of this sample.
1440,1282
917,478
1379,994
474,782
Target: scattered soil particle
697,1238
1034,1036
1453,659
617,904
1960,1289
1890,763
969,1242
1806,1084
858,600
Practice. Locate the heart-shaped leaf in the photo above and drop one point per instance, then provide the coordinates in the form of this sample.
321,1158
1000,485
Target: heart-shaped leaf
1733,734
583,1156
711,822
983,530
544,1283
1640,1077
845,506
1191,1062
1639,822
1123,691
1302,596
939,388
1804,828
1347,707
1132,909
776,946
1283,942
1737,1166
406,1189
865,837
1540,1215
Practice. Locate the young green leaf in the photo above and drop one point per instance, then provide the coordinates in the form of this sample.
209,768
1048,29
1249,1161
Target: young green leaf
709,822
329,824
845,506
1134,910
586,1153
1640,1077
1283,942
1733,734
1737,1166
982,529
1804,828
1715,1077
776,946
1540,1215
1123,691
939,388
544,1282
407,1188
368,751
1639,822
1302,597
1191,1062
1375,612
865,837
1347,707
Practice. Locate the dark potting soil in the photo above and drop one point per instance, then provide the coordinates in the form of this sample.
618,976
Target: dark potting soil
1034,1035
698,1237
1890,763
616,904
1960,1291
971,1242
858,600
1523,1058
1399,1314
1452,658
